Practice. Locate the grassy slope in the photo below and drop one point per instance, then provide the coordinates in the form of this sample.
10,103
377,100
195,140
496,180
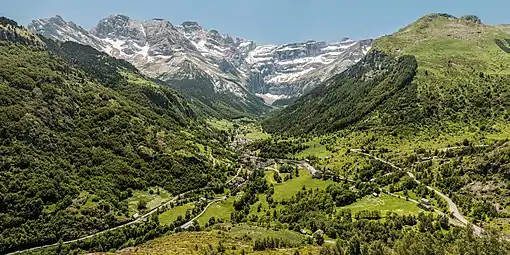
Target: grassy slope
221,124
315,149
461,86
253,132
435,40
238,238
291,187
153,200
384,203
219,210
452,53
170,215
78,129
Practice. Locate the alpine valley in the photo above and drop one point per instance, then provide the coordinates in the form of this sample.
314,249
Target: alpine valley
228,76
141,137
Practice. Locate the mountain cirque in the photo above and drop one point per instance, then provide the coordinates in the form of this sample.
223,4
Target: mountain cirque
232,65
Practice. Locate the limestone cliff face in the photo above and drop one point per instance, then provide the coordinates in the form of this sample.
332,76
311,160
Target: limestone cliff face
233,65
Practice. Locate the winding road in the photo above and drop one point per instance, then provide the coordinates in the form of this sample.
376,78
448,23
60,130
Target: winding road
139,219
451,205
459,218
190,222
233,178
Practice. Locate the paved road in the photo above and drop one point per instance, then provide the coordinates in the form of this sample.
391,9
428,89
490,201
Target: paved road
459,219
190,222
453,221
308,167
452,206
139,219
237,174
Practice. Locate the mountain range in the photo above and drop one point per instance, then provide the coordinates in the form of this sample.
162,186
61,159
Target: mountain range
436,72
63,102
222,72
99,153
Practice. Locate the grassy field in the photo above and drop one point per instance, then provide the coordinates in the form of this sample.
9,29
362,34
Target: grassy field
153,200
384,203
502,225
254,132
132,78
265,205
169,216
410,194
219,210
221,124
291,187
315,149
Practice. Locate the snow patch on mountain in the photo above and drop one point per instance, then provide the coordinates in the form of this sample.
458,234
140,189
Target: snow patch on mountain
232,65
270,98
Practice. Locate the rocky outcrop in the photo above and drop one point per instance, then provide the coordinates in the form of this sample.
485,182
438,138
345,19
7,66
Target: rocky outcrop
234,65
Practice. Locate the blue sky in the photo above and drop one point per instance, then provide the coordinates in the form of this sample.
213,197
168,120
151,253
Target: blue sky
265,21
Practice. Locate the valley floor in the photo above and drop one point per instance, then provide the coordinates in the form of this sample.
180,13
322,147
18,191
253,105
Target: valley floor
217,231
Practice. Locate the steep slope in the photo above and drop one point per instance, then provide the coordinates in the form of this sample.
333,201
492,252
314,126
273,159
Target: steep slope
234,68
374,83
462,79
292,69
80,130
504,27
160,50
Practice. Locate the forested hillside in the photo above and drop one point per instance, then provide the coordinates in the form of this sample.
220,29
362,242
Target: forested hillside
406,152
80,131
375,83
461,79
200,90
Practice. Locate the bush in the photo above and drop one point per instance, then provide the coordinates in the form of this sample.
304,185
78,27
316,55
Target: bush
472,18
142,204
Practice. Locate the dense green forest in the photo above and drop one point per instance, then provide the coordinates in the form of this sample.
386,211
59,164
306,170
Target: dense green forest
79,130
376,82
200,90
475,177
83,133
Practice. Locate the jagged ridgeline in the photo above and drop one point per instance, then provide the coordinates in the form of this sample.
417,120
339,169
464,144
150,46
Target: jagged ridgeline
11,31
79,129
462,78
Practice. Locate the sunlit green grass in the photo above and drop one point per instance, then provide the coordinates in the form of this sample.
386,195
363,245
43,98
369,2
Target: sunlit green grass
132,78
237,239
291,187
153,200
384,203
224,125
219,210
254,132
170,215
262,200
315,149
258,232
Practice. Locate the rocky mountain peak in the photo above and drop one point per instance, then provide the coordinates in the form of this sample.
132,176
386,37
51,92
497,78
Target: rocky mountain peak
191,26
243,67
118,26
57,19
57,28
